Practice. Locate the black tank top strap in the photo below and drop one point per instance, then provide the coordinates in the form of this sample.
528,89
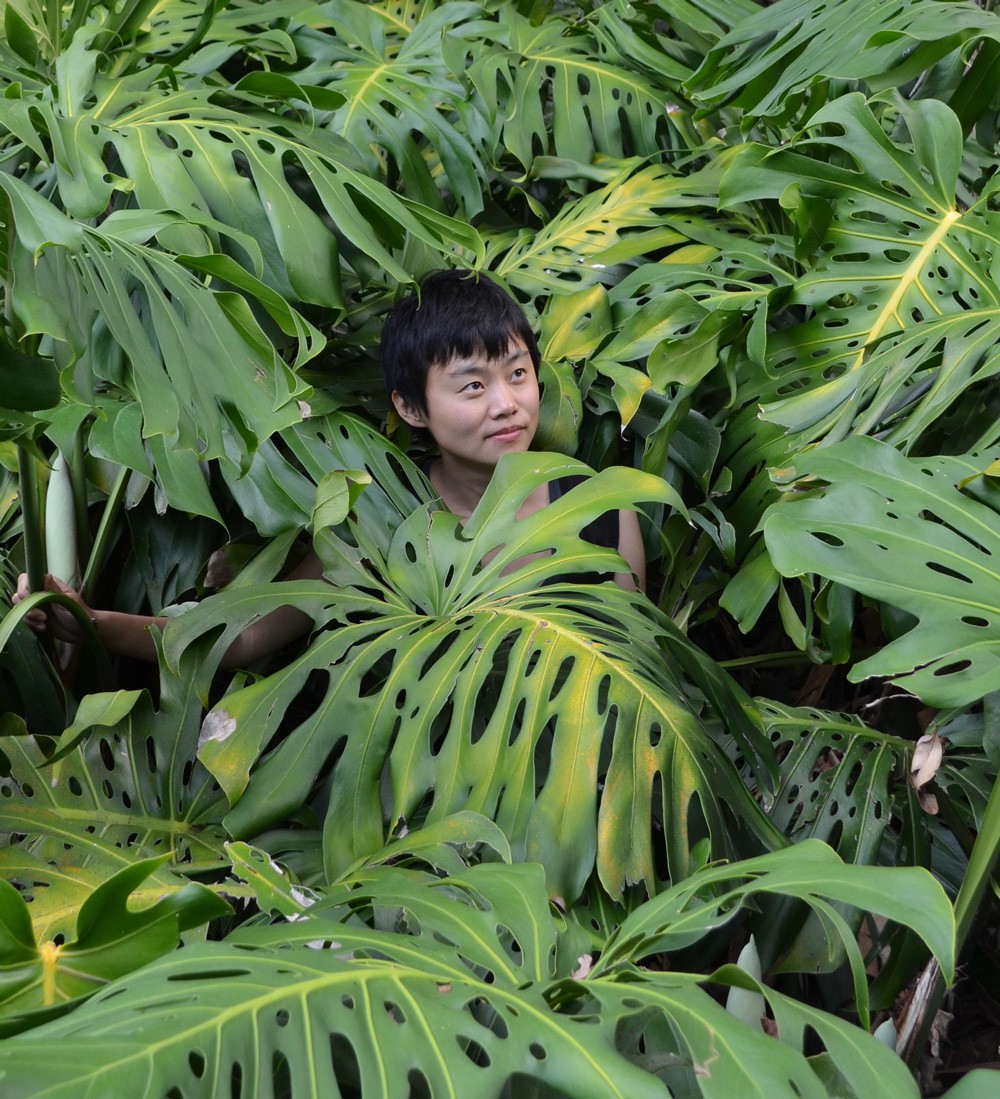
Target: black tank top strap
602,531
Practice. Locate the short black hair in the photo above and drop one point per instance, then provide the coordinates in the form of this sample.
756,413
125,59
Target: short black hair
454,313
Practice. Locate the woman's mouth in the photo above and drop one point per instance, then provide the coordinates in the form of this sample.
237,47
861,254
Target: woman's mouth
506,434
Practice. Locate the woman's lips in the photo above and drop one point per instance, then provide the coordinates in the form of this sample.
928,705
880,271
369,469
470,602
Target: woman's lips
506,434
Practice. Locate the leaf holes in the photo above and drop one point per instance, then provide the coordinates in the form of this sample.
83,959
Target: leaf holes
209,975
347,1001
853,778
438,733
74,786
473,1050
196,1062
438,651
410,550
537,1051
603,692
975,620
953,668
419,1087
107,758
394,1011
896,188
281,1073
281,1017
487,1015
827,539
944,570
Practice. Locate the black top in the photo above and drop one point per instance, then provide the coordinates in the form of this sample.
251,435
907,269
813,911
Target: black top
602,531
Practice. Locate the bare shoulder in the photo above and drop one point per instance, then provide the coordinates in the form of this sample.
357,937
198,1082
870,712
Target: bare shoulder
631,548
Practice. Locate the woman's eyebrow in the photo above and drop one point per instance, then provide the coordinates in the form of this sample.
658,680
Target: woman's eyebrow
457,370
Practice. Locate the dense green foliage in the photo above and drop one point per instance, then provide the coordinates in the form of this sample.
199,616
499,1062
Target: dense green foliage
493,834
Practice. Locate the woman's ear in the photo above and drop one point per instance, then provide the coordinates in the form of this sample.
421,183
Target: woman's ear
407,413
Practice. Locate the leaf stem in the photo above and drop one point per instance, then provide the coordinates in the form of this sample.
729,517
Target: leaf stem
31,518
975,882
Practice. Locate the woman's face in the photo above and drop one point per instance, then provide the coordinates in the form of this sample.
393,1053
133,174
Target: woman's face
479,409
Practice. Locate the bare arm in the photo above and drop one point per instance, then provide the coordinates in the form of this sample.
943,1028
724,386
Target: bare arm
275,630
631,548
127,634
130,634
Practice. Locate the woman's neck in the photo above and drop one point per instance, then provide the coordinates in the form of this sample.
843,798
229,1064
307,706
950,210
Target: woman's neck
460,487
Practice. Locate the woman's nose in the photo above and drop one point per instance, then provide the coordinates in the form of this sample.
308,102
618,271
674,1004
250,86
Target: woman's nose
503,400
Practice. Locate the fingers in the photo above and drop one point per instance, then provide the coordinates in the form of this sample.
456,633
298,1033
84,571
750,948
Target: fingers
62,623
53,583
37,619
22,591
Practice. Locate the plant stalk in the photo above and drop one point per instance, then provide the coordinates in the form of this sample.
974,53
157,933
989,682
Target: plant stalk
31,519
974,885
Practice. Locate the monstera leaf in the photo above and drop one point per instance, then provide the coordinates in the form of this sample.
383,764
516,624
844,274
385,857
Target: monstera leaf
127,786
834,778
473,983
399,97
559,92
783,57
448,679
908,532
163,227
617,223
39,980
901,300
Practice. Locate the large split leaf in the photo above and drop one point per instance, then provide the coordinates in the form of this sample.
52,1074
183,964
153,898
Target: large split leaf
617,223
904,531
559,92
131,788
564,713
400,98
834,778
83,274
783,56
39,980
467,983
900,326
